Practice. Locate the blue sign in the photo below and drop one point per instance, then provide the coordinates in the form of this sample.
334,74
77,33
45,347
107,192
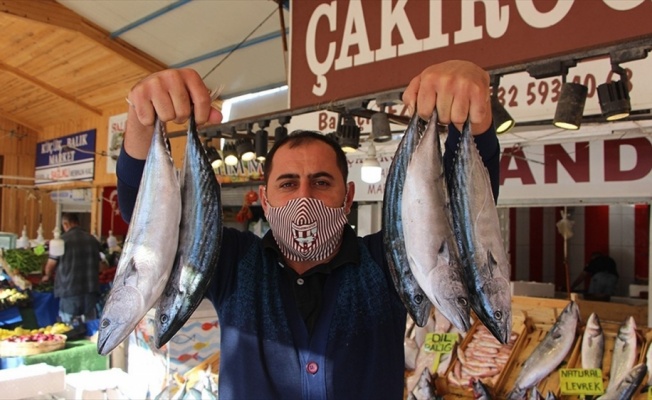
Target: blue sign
65,159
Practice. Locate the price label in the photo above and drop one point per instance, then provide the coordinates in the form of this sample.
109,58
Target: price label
580,381
440,342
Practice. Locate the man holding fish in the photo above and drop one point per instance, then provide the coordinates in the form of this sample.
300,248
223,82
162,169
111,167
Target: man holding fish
308,311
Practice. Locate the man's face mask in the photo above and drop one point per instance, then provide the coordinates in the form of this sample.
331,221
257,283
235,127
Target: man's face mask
306,229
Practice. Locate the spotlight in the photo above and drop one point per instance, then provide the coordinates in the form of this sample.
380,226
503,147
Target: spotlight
245,149
568,114
380,130
213,156
502,120
261,144
614,96
371,172
280,133
229,153
348,134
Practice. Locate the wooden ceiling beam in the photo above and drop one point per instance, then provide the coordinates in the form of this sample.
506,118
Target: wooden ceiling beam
52,13
49,88
27,124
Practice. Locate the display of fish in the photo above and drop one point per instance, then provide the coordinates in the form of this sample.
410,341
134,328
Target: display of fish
477,229
200,238
428,229
149,248
627,385
624,354
415,300
480,390
549,353
592,343
425,388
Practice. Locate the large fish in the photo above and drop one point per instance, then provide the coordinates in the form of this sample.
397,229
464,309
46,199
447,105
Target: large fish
428,229
415,300
477,228
549,353
592,343
149,248
200,238
626,388
624,354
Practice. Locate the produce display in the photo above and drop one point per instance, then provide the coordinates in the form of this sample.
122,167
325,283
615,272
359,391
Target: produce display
20,342
25,261
56,328
12,297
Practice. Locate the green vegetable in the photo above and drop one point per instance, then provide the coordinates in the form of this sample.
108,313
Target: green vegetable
24,261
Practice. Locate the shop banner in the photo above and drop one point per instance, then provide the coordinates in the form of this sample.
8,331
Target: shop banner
342,49
65,159
117,124
111,217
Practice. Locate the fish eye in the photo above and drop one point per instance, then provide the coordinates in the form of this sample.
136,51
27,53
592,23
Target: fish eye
164,318
418,298
498,315
105,323
462,301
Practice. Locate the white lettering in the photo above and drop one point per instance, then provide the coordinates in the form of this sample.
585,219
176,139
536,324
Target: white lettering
436,37
391,18
623,5
320,68
355,33
497,20
540,20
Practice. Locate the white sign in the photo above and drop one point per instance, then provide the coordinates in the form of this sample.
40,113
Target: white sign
116,132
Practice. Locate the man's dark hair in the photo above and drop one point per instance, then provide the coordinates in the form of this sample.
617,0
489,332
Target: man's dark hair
72,218
300,137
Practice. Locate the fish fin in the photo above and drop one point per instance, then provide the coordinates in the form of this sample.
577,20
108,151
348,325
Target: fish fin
491,262
131,274
444,250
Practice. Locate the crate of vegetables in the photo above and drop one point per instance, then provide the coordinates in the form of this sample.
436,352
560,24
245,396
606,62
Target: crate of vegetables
30,344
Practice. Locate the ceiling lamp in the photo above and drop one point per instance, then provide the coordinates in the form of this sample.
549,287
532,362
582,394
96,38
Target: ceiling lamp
380,129
245,149
229,154
502,120
280,133
570,108
261,144
213,155
614,96
348,133
371,171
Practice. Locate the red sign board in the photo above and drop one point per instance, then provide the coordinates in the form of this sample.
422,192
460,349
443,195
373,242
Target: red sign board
111,217
344,48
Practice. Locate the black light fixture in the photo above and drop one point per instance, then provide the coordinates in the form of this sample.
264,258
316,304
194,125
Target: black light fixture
245,149
502,120
614,96
380,129
570,107
280,133
213,156
348,133
261,141
229,154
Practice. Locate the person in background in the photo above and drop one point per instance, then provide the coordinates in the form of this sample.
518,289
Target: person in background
310,310
75,273
603,275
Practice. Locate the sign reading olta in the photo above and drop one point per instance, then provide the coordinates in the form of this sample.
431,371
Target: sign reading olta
347,48
64,159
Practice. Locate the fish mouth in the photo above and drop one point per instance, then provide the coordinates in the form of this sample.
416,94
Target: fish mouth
101,343
304,235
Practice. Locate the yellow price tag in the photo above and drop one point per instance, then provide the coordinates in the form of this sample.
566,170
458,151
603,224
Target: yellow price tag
440,342
580,381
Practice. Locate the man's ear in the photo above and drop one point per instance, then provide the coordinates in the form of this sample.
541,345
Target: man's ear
350,194
262,195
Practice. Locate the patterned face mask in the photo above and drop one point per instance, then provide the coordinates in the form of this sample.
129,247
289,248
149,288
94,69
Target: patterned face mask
306,229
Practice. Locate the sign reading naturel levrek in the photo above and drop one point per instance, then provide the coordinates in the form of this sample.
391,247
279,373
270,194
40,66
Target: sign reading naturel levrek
347,48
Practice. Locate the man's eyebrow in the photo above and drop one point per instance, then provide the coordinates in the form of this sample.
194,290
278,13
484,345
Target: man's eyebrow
321,174
287,176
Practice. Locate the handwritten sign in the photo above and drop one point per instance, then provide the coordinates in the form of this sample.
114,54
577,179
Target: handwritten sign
439,343
580,381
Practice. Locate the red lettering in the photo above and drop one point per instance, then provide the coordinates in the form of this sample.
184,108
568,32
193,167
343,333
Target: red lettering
613,171
578,169
323,121
522,170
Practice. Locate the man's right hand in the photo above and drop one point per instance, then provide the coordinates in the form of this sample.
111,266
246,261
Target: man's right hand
168,94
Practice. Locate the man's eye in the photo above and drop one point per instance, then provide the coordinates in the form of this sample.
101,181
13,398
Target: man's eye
286,184
322,183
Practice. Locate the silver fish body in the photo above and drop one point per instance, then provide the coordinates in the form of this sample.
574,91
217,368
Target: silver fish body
425,388
200,238
592,343
549,353
477,229
480,390
415,300
627,386
149,248
428,229
624,354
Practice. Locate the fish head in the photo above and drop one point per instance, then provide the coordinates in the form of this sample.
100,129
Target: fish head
495,310
452,294
121,314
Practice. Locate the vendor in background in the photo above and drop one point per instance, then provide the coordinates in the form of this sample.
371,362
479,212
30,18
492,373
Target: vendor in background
76,281
604,277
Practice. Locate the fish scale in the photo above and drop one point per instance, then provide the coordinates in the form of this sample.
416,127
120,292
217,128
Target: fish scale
149,247
200,238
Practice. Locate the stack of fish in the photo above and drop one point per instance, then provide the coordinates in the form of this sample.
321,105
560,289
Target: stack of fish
171,247
448,248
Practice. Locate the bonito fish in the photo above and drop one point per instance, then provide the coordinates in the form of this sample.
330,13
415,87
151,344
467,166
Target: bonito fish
626,388
477,228
413,297
624,354
592,343
149,248
549,353
200,238
428,229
